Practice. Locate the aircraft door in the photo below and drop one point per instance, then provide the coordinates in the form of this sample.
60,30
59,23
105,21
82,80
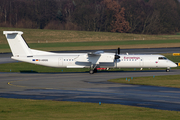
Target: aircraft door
60,61
141,63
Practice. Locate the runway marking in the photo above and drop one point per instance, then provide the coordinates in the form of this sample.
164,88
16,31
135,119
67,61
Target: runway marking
10,83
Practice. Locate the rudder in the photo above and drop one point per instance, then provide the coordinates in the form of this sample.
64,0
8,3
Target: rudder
17,43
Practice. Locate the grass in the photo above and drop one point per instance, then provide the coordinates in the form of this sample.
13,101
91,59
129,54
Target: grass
165,81
15,109
55,47
97,43
51,40
33,68
35,35
172,58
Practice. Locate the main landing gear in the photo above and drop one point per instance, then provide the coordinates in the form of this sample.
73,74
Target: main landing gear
93,69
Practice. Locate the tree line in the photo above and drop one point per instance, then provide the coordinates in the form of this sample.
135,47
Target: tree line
124,16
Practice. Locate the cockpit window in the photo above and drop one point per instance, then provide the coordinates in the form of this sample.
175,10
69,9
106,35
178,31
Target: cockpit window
162,58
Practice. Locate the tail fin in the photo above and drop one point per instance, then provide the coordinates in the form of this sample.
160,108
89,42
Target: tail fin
17,44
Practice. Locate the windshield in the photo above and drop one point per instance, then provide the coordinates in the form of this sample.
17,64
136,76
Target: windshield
162,58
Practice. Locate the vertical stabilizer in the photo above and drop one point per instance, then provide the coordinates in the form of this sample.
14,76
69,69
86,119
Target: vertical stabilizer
17,44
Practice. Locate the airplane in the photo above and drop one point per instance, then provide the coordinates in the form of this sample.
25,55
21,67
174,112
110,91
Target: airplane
93,60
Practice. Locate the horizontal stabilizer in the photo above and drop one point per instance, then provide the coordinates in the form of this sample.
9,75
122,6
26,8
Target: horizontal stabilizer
12,32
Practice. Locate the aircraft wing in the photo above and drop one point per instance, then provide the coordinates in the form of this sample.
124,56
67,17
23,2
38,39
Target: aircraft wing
96,57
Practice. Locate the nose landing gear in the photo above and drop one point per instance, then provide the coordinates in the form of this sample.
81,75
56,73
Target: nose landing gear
168,69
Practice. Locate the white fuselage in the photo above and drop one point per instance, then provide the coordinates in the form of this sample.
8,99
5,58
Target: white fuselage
82,60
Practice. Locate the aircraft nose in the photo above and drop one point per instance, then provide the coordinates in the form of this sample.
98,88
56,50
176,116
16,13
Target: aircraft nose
177,64
173,64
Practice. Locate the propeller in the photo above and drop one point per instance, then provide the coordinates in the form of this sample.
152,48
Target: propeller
117,56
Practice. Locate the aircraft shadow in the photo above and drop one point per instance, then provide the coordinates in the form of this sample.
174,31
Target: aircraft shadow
133,71
28,71
103,71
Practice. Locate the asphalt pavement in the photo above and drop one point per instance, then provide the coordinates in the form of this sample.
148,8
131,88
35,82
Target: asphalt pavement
84,87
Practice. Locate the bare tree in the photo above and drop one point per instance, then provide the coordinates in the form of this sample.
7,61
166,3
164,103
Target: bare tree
119,23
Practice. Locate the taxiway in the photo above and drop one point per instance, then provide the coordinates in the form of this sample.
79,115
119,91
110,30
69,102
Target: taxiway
83,87
95,88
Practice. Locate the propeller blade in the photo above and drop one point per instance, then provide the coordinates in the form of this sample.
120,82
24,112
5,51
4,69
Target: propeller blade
117,54
118,51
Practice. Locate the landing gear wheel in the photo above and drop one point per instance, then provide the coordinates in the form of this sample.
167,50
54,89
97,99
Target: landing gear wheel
91,72
95,70
167,70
